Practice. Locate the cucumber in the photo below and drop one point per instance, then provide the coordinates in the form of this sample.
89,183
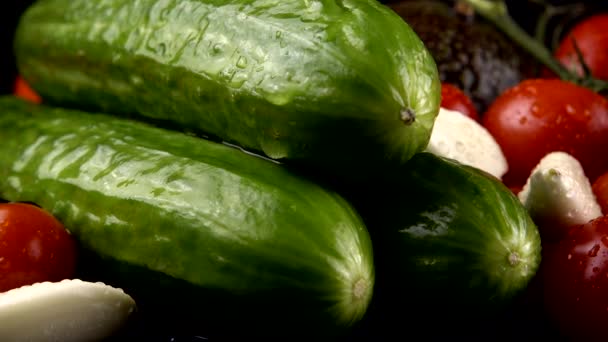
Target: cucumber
338,85
452,244
175,219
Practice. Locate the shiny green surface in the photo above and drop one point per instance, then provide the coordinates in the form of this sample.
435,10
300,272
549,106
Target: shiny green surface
450,240
327,83
195,210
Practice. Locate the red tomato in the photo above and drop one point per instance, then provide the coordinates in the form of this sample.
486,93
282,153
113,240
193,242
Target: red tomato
591,37
539,116
453,98
516,189
600,189
34,247
23,90
575,281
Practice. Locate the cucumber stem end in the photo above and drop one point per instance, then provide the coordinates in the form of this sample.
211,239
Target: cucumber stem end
360,288
514,259
407,115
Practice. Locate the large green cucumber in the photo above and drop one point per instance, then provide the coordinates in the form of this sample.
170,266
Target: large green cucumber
451,242
235,228
342,85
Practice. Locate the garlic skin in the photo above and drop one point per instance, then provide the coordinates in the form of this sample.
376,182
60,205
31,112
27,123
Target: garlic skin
457,136
558,189
71,310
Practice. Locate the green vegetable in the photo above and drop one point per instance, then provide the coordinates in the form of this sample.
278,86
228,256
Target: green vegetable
451,243
339,85
160,207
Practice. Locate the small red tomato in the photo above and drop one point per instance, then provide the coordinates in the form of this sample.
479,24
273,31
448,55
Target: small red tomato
516,189
591,37
34,247
453,98
600,190
539,116
575,281
23,90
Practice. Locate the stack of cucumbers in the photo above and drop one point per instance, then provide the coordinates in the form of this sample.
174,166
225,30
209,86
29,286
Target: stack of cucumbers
255,167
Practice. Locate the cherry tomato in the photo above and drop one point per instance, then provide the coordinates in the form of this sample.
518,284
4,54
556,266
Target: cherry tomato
575,281
539,116
23,90
600,189
34,247
591,37
453,98
516,189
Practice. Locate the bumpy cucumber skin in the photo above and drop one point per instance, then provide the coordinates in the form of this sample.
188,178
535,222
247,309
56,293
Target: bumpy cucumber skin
451,242
325,83
200,212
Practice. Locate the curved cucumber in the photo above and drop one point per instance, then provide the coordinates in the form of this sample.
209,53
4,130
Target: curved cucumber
226,223
341,85
451,242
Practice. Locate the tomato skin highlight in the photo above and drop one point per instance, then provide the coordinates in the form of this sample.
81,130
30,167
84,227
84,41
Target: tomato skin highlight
575,281
34,247
600,190
539,116
591,37
453,98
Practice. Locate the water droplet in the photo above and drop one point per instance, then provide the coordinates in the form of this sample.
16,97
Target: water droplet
593,251
241,62
523,120
535,110
570,110
237,82
277,34
587,113
165,13
227,74
161,49
531,90
216,49
569,256
604,240
274,149
136,80
282,43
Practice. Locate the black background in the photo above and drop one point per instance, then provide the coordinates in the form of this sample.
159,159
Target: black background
10,16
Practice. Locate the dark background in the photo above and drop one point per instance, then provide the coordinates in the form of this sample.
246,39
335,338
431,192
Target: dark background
10,16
